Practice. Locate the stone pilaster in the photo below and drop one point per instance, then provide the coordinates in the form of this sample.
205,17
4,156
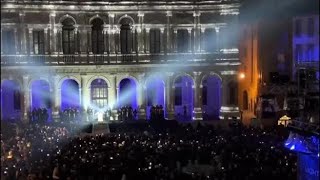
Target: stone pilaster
175,40
26,98
141,97
46,42
202,40
53,34
161,40
30,40
227,111
197,110
169,96
16,41
218,44
147,40
190,39
168,33
56,98
23,41
85,92
197,32
140,33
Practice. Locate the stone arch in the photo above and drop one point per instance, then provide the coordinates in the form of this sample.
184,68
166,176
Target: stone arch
97,16
66,16
62,79
11,102
17,80
126,19
129,77
97,77
183,74
31,80
153,76
205,75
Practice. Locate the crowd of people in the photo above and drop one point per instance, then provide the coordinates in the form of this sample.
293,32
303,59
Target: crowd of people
127,113
39,115
156,113
144,152
70,114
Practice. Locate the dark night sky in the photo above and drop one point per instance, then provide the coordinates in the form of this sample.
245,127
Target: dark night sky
274,9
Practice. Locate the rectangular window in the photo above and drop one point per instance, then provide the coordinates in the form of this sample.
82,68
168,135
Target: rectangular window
310,26
8,42
154,41
178,96
182,40
38,42
126,39
310,48
298,27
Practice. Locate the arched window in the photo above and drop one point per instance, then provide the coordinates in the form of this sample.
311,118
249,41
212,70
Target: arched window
245,100
68,36
126,39
97,36
99,93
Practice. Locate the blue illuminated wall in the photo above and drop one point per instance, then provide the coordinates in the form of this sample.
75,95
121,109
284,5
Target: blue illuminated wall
213,95
70,97
128,93
155,94
308,167
185,83
9,110
40,96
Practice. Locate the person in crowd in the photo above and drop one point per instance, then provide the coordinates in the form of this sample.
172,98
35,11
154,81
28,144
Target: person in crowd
142,151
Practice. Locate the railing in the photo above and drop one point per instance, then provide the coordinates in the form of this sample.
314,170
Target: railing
104,59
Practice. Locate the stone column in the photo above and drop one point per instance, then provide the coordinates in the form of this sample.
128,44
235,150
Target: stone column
56,98
53,33
169,96
175,40
89,33
111,32
161,40
83,41
16,41
23,34
218,45
26,98
190,39
59,46
147,40
76,43
197,110
196,38
140,33
31,40
168,32
1,42
141,97
112,92
105,42
85,92
46,42
202,40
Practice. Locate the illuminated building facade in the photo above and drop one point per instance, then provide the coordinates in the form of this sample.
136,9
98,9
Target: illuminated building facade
96,54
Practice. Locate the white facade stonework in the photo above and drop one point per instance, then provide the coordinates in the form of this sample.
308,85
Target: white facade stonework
112,65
